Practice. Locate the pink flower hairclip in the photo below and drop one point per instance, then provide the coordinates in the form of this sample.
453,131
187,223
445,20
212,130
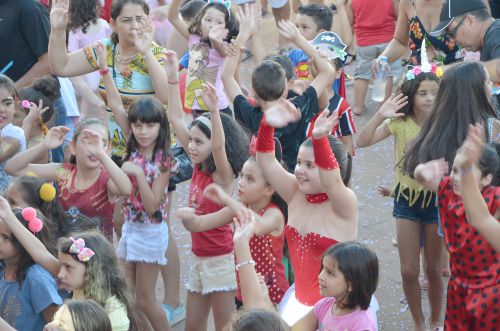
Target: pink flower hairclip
25,104
35,225
78,247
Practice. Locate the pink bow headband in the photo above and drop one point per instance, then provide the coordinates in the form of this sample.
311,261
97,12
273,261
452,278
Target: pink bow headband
78,247
35,225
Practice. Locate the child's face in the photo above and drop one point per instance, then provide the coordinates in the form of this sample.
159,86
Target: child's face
7,108
62,320
14,197
8,252
129,22
84,158
200,146
145,133
456,175
71,276
252,186
332,282
423,101
212,19
306,172
307,27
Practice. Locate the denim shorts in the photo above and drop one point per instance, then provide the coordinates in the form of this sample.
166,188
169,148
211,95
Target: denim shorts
417,213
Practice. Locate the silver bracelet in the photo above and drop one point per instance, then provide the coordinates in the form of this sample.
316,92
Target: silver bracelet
244,263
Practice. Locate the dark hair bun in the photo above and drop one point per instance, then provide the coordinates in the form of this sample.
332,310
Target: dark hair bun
48,86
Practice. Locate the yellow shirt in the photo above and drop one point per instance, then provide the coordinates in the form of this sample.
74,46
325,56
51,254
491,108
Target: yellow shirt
405,130
117,313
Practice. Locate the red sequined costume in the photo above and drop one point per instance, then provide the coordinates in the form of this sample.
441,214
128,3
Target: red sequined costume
473,299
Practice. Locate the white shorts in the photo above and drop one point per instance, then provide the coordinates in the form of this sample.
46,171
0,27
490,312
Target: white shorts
143,243
291,310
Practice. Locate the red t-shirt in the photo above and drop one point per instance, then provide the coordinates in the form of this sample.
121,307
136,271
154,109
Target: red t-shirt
374,21
267,252
215,242
93,202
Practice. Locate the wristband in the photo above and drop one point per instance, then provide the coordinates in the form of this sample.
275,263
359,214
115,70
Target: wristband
244,263
265,137
104,72
323,154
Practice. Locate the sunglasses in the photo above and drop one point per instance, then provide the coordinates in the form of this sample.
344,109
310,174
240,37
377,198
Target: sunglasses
453,32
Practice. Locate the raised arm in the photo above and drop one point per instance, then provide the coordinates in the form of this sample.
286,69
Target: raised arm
399,43
376,129
113,96
429,174
33,118
61,63
22,163
341,24
342,198
175,18
174,113
476,209
31,244
284,182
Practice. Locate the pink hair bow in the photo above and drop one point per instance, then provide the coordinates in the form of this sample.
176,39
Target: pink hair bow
35,224
25,104
78,247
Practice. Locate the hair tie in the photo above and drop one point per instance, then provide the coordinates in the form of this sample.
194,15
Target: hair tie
47,192
78,247
35,225
25,104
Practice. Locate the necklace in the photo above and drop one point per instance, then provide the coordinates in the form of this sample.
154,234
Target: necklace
121,60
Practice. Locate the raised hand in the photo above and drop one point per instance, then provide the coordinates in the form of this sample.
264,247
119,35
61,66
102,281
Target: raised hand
215,193
244,225
94,142
324,124
209,96
434,170
391,107
472,148
131,168
188,217
282,113
143,39
36,111
55,137
100,49
59,14
218,33
171,65
288,30
249,18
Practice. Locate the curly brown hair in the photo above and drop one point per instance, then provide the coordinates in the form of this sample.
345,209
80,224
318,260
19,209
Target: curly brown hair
82,13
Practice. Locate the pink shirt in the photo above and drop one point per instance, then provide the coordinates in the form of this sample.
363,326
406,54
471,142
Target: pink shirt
358,320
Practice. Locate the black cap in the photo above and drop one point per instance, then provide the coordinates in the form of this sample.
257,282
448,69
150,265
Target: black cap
452,9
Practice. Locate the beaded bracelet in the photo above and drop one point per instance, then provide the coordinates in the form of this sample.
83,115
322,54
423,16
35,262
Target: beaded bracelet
244,263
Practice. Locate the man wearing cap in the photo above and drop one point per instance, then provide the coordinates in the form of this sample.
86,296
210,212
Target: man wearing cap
471,24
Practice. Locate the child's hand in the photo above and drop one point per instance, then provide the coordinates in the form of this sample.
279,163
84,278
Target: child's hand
282,113
59,14
215,193
288,30
5,211
188,217
384,191
391,107
143,39
249,18
94,142
232,48
55,137
171,65
472,148
433,170
35,112
100,49
131,168
209,96
324,124
218,33
244,225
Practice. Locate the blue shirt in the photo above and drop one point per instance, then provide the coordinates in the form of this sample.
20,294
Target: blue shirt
22,305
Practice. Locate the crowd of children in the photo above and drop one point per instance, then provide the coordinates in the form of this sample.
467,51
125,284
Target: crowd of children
82,241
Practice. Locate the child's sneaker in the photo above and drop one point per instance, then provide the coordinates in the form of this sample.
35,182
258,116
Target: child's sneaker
174,315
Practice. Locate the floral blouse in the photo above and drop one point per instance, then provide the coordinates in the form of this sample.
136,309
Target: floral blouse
133,209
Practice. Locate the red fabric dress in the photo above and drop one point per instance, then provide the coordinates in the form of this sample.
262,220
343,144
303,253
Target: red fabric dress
473,299
306,253
267,252
92,202
214,242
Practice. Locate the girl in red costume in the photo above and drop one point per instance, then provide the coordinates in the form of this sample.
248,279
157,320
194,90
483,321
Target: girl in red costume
473,297
322,210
